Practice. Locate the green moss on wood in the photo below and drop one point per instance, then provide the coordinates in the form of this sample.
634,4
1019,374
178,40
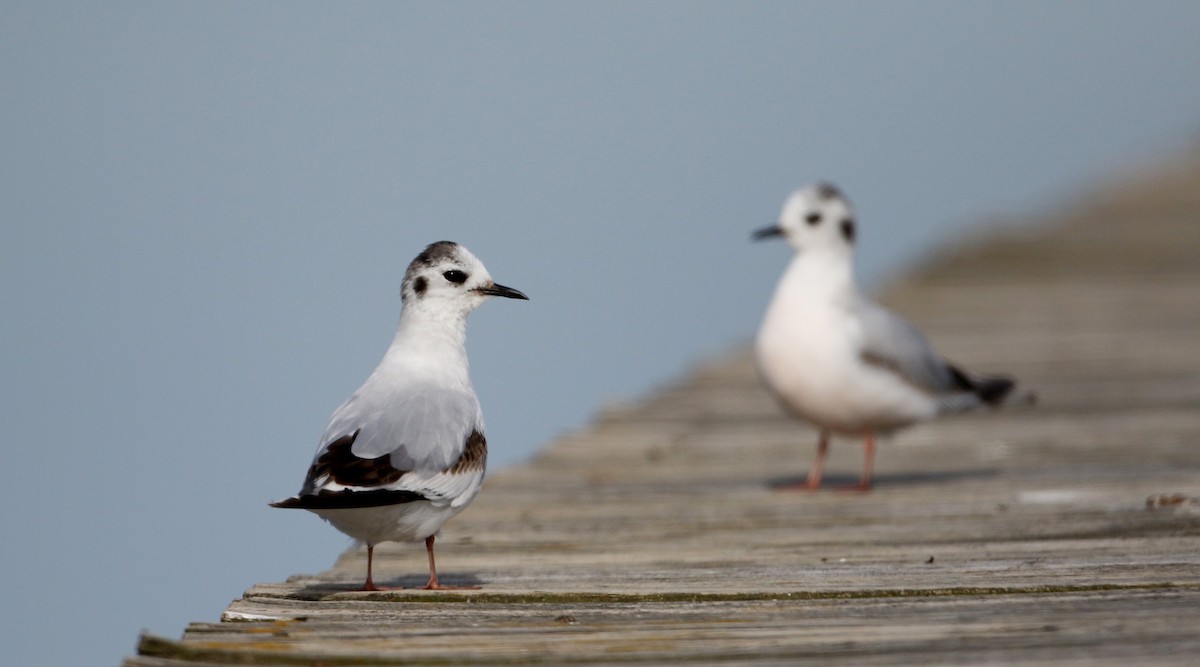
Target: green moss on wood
694,598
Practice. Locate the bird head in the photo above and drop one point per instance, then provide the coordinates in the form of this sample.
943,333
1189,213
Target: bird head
813,217
447,275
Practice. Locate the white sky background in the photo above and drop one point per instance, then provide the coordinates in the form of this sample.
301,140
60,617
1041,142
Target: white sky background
207,209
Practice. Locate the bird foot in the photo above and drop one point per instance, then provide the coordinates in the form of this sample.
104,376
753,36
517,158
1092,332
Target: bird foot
435,586
798,486
371,586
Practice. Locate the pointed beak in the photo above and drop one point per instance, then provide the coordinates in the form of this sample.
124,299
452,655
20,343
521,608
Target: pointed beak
500,290
768,232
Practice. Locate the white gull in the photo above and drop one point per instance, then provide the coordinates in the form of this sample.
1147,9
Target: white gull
834,358
406,452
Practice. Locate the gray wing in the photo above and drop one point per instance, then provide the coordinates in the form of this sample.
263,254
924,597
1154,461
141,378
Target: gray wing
456,485
890,342
421,428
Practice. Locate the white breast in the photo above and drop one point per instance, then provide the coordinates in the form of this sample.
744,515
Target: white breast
809,355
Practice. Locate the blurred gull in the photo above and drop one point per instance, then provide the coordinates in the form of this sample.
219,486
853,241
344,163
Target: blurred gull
406,451
836,359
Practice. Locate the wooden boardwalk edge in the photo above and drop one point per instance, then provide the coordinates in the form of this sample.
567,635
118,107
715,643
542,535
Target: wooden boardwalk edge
1067,533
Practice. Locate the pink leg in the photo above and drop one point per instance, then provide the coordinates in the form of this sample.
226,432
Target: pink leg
864,482
818,467
370,585
868,462
433,578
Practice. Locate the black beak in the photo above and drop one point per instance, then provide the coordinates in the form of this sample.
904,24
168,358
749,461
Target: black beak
500,290
769,232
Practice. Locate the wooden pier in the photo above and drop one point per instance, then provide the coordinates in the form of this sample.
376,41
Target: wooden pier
1066,533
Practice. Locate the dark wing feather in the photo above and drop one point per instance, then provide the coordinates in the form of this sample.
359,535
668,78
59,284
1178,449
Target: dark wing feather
339,464
332,500
990,390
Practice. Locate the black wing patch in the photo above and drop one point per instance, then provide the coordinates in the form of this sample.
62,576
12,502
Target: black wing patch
343,467
340,464
338,500
991,390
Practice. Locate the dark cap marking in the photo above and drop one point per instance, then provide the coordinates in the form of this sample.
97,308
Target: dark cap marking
430,256
827,191
434,253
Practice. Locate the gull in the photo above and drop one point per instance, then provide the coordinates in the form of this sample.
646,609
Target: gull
839,361
406,451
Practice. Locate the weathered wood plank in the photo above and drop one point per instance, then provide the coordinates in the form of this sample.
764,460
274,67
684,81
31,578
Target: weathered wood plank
657,533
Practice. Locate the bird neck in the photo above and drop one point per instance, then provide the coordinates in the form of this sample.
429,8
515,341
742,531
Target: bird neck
429,342
821,275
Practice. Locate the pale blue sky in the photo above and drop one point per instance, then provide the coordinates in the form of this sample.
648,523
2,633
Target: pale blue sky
208,208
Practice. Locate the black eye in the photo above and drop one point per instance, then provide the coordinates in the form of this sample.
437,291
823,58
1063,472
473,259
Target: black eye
812,218
455,276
